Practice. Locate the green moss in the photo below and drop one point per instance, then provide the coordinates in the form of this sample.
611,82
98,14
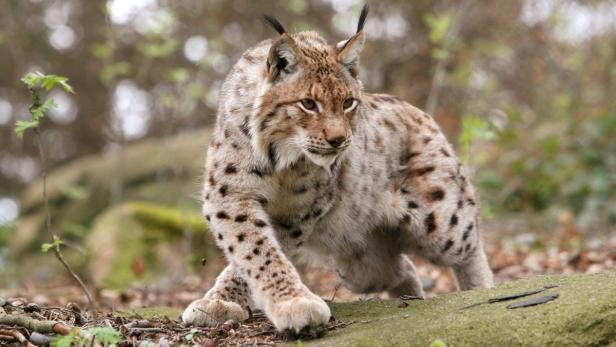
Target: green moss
171,220
135,241
150,312
583,315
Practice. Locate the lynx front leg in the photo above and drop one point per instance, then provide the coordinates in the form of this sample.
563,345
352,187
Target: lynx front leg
243,231
228,299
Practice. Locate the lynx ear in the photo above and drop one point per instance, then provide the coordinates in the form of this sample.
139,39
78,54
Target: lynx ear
283,54
282,58
349,50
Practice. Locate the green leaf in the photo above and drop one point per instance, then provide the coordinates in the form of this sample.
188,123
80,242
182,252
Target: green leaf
37,110
158,49
45,247
178,75
438,343
101,50
48,82
40,111
111,71
473,128
75,192
439,26
109,337
32,79
70,340
22,125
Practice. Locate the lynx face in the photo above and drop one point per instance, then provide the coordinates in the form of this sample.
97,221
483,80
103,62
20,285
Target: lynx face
316,94
322,115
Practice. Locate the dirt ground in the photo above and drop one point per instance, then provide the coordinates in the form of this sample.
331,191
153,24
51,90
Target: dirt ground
149,316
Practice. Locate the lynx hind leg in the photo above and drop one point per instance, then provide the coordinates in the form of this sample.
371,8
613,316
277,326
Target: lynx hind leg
475,272
453,239
380,268
410,283
228,299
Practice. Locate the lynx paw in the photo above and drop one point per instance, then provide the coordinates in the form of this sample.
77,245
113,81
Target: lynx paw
297,313
209,312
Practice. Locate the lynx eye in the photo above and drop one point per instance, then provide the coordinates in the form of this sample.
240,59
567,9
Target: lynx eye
309,104
348,103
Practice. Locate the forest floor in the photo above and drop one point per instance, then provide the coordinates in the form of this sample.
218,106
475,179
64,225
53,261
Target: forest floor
148,316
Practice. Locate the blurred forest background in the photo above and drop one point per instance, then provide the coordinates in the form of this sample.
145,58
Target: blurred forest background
526,90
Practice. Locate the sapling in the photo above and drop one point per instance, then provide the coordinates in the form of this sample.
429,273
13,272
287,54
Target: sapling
37,83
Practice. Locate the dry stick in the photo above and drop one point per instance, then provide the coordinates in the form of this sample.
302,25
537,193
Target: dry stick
41,326
19,336
56,248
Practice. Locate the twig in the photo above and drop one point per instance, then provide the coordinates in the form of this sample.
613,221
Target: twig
141,323
7,337
41,326
411,297
510,297
341,325
19,336
533,302
261,333
145,330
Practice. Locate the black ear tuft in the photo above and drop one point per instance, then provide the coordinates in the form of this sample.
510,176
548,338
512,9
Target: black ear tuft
275,24
362,17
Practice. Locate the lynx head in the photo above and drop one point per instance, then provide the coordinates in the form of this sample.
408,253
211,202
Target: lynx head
310,96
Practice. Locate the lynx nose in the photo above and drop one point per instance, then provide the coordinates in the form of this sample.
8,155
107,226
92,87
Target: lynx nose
336,141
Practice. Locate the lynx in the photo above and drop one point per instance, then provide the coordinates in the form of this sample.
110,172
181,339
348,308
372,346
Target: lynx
304,164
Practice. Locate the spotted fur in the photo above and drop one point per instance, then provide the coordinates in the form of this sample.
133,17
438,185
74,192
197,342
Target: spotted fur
304,163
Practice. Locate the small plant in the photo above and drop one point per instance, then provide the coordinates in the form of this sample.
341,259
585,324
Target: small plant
107,336
189,337
438,343
70,340
45,247
39,109
473,129
36,81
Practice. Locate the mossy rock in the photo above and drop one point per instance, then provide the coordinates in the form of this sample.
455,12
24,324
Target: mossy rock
141,242
163,171
584,314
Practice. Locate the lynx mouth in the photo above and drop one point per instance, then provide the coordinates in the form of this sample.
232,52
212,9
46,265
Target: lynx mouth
327,151
323,157
324,152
